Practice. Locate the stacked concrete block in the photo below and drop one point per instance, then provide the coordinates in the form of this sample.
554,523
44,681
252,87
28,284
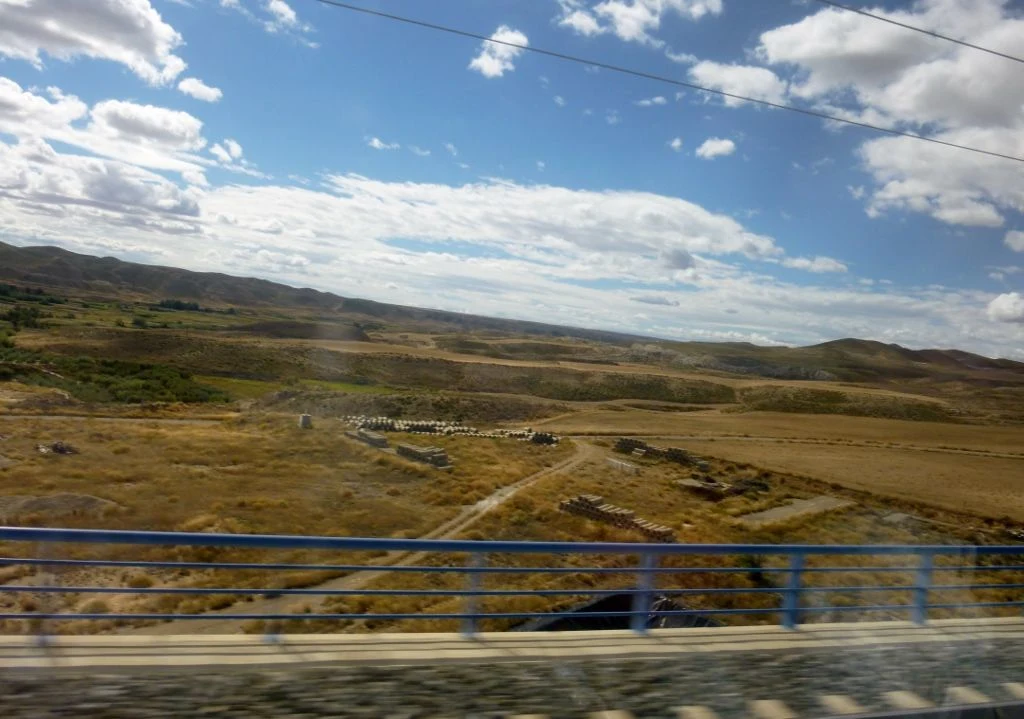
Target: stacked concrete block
440,427
434,456
594,507
705,487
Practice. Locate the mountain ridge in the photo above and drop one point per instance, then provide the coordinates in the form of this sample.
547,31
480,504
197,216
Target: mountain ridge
55,267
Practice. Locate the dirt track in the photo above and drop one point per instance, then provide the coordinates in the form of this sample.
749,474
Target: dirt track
450,529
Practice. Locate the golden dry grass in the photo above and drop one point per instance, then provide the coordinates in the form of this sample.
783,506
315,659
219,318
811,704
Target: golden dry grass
986,486
714,423
258,474
533,516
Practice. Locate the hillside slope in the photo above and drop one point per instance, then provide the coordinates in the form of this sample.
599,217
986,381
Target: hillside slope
847,359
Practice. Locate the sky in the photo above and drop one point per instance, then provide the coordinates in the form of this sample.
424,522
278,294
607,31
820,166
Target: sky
319,147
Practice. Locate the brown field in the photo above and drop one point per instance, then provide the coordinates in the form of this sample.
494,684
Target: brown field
533,516
259,475
986,486
715,423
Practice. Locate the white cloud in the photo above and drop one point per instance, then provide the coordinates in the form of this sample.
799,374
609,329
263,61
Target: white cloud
612,117
129,32
683,58
541,165
559,100
174,129
220,153
452,149
856,192
496,59
630,20
419,151
200,90
1007,307
534,252
233,148
463,165
377,144
758,83
859,68
1014,239
815,264
676,144
716,147
282,13
649,101
277,17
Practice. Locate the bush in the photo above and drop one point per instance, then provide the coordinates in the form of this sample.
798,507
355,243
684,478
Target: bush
140,323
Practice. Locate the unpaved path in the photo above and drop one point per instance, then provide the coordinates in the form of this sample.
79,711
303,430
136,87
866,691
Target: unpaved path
357,580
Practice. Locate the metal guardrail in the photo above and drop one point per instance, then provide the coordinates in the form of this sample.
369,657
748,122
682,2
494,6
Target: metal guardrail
798,598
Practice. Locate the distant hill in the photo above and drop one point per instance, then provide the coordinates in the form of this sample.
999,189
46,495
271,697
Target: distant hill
54,267
847,359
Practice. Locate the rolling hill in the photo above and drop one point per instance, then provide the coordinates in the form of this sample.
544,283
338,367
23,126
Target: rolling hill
847,359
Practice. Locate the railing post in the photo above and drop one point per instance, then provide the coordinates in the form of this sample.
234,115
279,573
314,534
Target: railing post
471,603
791,599
642,599
919,613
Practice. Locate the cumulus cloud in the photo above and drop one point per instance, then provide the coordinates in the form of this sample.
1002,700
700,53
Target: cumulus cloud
419,151
815,264
542,252
377,144
452,149
716,147
630,20
122,120
559,100
233,148
1007,307
750,81
676,143
200,90
1014,239
129,32
856,67
496,59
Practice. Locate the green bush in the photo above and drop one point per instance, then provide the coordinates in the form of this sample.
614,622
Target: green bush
101,380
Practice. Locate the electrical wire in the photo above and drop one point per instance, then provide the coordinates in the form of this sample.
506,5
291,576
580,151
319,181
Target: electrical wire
661,78
865,13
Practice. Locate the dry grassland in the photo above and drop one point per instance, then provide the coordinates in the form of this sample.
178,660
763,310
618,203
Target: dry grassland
992,487
533,516
253,475
714,423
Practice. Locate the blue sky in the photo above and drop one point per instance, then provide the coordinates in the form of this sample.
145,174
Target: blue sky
319,147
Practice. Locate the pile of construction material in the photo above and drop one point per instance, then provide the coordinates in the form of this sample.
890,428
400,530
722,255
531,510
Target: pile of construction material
366,436
622,465
436,426
639,448
434,456
593,506
706,487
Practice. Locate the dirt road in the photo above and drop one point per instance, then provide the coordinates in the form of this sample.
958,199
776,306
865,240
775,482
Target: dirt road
450,529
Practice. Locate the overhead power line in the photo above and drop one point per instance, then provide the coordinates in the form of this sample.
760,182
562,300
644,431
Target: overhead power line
889,20
660,78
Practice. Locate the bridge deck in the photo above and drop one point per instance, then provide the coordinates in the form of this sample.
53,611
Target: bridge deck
113,652
720,673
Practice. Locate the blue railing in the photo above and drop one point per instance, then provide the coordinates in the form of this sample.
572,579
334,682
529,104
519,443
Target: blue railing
797,567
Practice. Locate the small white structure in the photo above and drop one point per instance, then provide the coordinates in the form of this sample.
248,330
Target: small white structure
306,421
622,465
